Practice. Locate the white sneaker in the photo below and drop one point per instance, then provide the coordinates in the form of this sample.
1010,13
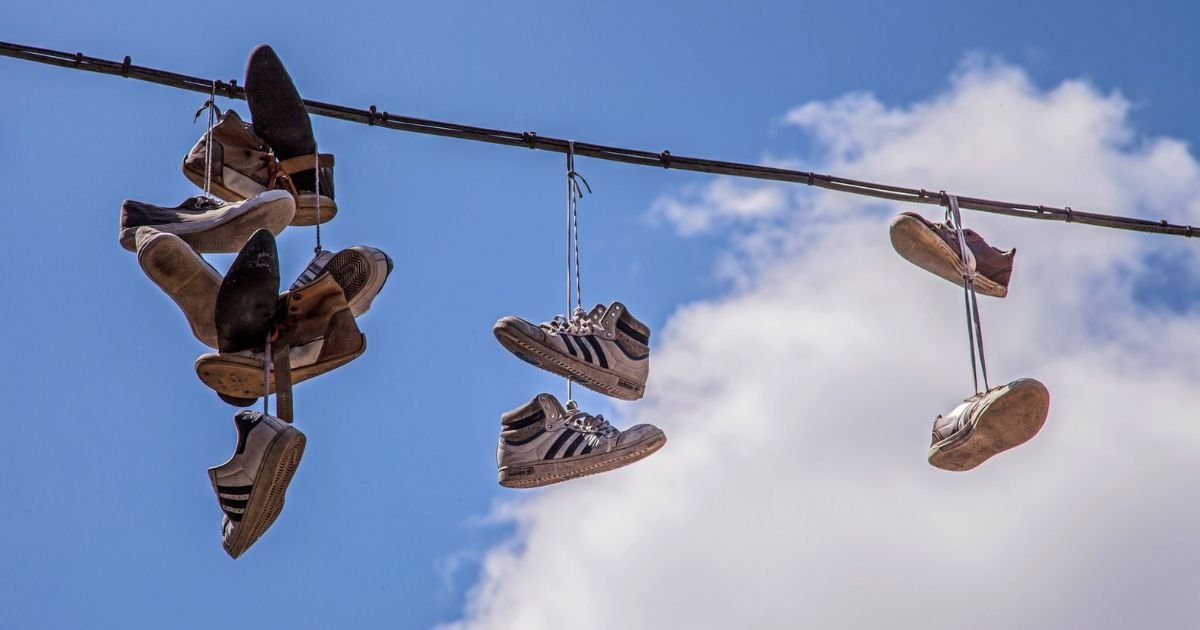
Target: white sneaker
606,350
361,271
541,443
250,486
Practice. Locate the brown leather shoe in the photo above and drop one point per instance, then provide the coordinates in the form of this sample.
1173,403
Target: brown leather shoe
934,248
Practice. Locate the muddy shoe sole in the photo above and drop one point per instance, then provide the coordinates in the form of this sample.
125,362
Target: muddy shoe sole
241,377
1010,420
267,497
186,278
535,474
921,246
550,359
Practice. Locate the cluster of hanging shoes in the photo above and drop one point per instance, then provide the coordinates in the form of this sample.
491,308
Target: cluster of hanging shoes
265,175
994,419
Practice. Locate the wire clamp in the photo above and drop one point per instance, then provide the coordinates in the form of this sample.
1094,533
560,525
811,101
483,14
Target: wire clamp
125,66
665,158
530,138
1070,215
78,59
371,114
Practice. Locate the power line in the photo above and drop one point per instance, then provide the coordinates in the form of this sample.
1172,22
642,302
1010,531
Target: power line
528,139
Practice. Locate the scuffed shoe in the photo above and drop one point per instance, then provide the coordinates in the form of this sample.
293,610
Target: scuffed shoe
248,297
207,225
934,248
320,333
250,486
606,350
279,117
361,271
542,443
989,423
184,276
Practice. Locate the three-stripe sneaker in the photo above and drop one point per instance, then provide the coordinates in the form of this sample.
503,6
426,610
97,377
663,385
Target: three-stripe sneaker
360,270
606,350
988,424
542,443
250,486
207,225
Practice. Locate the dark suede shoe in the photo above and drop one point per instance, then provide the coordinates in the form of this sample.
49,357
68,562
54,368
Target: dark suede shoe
246,301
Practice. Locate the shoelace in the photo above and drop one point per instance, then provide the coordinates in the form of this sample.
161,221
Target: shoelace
579,324
594,427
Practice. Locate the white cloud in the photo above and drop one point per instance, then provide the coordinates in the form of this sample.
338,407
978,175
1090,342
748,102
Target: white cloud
794,490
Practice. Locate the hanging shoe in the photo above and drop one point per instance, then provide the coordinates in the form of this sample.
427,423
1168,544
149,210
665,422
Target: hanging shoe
934,248
320,334
606,350
542,443
278,116
989,423
361,271
209,226
250,486
248,297
184,276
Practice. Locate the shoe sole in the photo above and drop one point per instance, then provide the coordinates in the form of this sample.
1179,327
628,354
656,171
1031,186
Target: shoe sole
1010,421
242,377
536,474
361,272
919,245
306,204
550,359
187,279
226,234
267,499
248,298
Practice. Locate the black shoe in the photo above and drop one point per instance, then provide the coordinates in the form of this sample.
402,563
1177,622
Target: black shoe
248,298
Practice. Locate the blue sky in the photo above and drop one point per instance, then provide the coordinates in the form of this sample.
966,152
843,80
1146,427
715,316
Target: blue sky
110,520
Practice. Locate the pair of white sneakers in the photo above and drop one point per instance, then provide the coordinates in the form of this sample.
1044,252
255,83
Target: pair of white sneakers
542,442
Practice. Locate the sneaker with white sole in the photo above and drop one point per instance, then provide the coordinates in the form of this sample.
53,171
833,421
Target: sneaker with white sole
250,486
606,350
988,424
184,276
542,443
360,270
934,248
209,226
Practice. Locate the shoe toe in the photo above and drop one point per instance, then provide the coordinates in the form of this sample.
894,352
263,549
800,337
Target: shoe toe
639,433
515,325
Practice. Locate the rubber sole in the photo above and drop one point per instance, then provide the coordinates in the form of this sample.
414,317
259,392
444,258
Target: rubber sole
305,206
921,246
267,497
227,233
1010,420
544,473
550,359
249,296
241,377
187,279
361,272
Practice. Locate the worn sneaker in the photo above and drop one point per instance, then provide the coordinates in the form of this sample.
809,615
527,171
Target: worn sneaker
361,271
541,443
320,333
248,297
934,248
989,423
606,350
207,225
184,276
250,486
278,116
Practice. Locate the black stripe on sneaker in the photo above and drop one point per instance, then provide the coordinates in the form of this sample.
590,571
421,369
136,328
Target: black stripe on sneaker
515,425
635,334
234,489
599,352
574,445
236,517
526,440
562,439
587,355
235,503
570,347
587,449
